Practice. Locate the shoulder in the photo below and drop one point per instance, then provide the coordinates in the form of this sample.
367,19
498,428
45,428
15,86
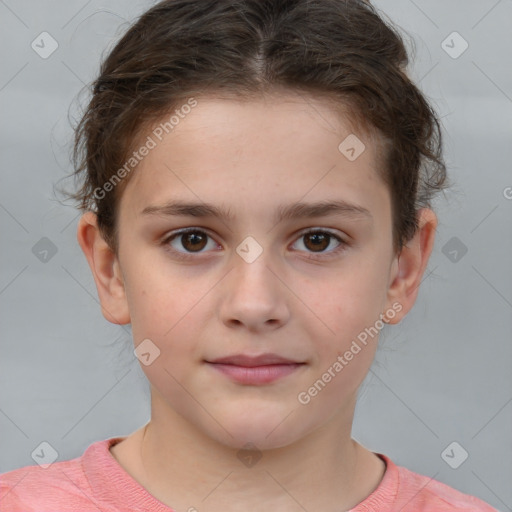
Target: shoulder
62,485
412,492
32,487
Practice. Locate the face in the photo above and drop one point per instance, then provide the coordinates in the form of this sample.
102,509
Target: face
299,291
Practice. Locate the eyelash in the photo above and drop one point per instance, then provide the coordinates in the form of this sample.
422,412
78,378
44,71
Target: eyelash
190,255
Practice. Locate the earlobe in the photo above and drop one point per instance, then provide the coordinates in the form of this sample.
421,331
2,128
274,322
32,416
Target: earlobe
410,265
105,269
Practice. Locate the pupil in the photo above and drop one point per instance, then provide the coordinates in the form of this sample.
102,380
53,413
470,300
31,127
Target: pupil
318,239
193,239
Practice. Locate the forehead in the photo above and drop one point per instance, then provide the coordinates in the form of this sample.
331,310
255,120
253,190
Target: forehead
256,151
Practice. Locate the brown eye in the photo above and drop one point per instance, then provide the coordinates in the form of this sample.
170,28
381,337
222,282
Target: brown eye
193,240
317,241
187,242
316,244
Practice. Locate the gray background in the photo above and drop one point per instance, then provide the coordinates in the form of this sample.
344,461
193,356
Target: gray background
69,377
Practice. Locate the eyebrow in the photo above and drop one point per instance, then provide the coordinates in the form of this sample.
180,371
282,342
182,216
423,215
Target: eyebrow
283,212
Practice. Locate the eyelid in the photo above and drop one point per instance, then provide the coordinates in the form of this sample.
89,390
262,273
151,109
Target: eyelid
312,229
343,244
331,231
176,233
302,231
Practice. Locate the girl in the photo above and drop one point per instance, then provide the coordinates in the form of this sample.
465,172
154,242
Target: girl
285,140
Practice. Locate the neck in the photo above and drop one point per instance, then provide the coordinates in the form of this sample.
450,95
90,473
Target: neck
185,469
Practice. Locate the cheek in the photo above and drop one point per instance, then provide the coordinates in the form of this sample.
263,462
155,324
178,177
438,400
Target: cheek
169,318
161,308
156,292
346,327
345,351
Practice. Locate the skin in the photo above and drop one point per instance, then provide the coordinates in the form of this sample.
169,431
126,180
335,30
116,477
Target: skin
271,151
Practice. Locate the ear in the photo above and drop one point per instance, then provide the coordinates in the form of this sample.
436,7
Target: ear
409,266
105,269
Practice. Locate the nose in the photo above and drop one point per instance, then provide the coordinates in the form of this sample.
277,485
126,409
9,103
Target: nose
254,296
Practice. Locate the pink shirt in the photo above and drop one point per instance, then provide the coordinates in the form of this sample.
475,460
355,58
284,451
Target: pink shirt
97,482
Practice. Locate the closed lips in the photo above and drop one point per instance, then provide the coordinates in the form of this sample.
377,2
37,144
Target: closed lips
255,370
252,361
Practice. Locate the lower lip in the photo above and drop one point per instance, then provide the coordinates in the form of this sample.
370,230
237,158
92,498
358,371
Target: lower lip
256,375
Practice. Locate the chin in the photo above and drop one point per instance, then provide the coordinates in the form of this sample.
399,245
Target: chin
253,438
264,431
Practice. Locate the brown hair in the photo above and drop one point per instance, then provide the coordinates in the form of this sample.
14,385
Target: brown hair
341,49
